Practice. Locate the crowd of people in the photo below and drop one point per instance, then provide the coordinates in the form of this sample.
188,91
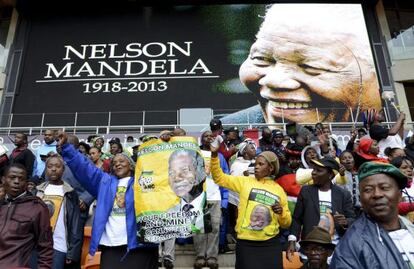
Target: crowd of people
300,192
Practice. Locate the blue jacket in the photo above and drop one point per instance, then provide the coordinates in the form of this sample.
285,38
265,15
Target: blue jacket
104,187
367,245
223,191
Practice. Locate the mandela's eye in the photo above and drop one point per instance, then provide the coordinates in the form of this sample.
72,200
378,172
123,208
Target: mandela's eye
313,71
262,60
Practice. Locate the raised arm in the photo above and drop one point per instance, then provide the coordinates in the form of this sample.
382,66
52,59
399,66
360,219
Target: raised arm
87,174
233,183
398,127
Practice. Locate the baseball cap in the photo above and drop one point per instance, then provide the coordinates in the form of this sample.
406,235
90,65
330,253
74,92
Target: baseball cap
277,133
327,162
232,129
373,168
215,124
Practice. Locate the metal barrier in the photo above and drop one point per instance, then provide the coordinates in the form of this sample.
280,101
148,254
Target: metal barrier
334,126
135,122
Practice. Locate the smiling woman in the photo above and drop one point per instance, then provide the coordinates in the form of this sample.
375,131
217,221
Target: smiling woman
114,227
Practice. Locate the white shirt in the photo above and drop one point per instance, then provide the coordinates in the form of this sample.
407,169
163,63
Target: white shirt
197,204
240,165
392,141
325,207
59,234
212,189
236,169
404,241
217,141
115,233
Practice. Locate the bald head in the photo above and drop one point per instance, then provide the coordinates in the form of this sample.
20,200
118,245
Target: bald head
74,140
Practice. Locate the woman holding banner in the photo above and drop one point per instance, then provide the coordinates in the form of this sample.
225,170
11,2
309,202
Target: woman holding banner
263,209
114,226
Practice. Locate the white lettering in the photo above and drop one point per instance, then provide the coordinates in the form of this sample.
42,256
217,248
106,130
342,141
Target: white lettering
51,68
77,53
131,47
173,72
155,45
129,66
183,51
35,144
97,49
112,51
154,67
85,68
200,65
116,72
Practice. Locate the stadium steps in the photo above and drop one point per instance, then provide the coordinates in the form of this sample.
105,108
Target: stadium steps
185,257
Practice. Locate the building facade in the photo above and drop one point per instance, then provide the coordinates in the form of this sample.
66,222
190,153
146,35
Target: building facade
52,64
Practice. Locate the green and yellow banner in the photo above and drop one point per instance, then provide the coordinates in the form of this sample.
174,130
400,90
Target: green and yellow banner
169,198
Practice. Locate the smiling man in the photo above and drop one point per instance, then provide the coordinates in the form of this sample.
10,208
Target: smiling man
306,68
185,173
379,238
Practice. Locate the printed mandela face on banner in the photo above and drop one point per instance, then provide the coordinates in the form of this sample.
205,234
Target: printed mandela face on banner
297,62
175,206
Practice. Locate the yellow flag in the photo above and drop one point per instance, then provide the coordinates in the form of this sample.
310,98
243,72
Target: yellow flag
169,198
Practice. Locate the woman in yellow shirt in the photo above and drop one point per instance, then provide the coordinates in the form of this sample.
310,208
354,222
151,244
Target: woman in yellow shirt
263,209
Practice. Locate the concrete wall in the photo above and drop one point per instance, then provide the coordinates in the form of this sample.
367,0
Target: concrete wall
9,42
402,70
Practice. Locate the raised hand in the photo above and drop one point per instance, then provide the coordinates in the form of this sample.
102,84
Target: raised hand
214,150
277,208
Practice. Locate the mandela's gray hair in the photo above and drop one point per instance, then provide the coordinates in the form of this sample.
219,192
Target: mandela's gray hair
197,162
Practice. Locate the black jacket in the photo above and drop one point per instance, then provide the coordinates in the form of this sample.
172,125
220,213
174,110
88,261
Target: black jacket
74,229
26,158
307,212
367,245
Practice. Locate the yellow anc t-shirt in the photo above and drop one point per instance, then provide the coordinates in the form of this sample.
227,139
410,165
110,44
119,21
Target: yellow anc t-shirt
256,220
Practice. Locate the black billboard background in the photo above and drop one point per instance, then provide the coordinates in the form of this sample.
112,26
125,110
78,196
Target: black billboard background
221,37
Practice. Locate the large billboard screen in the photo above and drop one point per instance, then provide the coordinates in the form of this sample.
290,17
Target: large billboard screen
249,63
